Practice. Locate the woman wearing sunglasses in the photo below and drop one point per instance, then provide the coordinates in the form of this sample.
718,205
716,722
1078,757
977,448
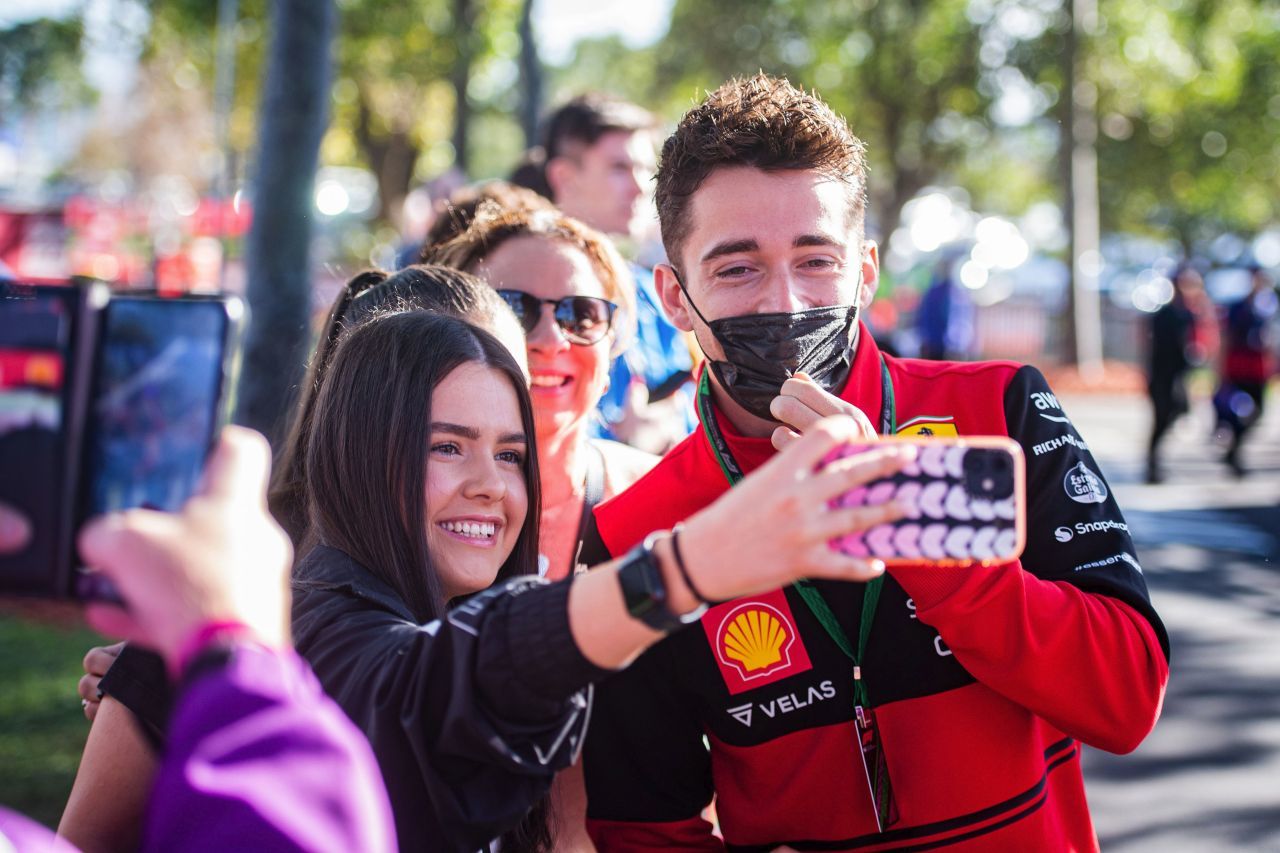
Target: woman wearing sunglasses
572,293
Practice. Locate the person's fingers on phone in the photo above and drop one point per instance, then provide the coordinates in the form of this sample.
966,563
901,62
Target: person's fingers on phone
827,564
839,522
238,468
114,543
850,472
15,530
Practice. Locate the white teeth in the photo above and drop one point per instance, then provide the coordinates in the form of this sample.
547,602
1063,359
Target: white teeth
548,381
475,529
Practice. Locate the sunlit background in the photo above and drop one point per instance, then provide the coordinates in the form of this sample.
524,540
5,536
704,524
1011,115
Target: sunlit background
121,157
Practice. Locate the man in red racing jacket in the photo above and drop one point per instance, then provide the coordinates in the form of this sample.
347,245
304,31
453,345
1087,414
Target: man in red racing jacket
981,683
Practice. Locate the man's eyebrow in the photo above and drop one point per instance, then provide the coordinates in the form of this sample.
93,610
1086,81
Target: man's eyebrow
730,247
815,240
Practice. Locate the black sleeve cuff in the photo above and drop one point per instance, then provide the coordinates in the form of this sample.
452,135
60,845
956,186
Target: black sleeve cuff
537,648
139,681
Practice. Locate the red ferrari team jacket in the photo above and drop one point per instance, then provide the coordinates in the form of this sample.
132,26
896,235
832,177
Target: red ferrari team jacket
985,681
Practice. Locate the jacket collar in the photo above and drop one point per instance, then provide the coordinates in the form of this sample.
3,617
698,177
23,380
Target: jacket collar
326,568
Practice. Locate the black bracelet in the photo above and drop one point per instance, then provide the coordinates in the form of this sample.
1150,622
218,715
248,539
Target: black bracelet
684,572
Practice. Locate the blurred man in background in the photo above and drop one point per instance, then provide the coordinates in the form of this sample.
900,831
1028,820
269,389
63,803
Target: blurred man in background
946,317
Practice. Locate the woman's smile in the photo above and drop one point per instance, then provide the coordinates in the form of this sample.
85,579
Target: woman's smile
480,532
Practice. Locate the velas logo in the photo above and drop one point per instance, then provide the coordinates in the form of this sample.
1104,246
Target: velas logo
929,425
755,641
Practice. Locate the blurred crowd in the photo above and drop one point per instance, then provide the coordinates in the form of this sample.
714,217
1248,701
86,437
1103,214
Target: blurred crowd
1237,341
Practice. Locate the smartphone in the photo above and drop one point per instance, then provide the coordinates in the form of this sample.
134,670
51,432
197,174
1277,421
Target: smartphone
159,395
965,500
47,335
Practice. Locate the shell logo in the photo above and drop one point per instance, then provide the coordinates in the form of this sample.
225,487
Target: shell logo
755,639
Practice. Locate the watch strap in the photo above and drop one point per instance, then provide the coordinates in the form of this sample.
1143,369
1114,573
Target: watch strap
645,592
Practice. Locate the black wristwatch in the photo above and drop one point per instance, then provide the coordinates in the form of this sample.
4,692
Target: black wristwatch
645,592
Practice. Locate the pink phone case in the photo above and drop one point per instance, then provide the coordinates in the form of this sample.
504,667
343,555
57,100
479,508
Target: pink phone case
966,499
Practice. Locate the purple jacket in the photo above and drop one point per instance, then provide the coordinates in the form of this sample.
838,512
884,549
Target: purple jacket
258,758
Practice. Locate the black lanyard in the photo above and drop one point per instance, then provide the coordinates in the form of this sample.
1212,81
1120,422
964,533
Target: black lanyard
812,597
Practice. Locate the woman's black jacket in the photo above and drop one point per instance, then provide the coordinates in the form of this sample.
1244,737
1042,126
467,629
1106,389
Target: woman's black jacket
469,716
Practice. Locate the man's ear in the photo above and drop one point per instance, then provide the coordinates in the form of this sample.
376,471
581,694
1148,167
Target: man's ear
560,173
870,274
673,301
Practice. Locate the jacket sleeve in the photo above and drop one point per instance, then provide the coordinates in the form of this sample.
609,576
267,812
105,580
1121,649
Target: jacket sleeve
260,759
478,710
1069,632
647,769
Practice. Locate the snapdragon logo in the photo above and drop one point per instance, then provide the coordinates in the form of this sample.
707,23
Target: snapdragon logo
1083,528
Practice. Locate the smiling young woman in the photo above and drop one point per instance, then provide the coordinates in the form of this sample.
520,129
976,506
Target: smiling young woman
576,301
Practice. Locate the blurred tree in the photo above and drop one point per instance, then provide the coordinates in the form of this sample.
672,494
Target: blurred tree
40,64
531,76
411,81
905,73
1188,102
294,113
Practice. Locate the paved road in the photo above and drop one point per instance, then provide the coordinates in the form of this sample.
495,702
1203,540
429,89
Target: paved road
1208,778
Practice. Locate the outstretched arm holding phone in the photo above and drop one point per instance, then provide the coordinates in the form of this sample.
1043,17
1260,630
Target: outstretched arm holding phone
207,587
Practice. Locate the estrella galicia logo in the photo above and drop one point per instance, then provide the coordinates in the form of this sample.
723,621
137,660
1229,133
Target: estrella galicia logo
1083,486
1063,534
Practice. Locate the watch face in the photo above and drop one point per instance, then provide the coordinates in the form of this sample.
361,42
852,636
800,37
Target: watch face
643,589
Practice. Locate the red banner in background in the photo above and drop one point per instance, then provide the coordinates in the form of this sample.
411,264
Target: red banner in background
126,243
33,243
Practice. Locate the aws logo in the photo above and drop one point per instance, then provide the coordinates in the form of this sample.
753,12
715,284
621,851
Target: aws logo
755,641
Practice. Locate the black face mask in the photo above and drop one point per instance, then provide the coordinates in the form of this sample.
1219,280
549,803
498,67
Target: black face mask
762,351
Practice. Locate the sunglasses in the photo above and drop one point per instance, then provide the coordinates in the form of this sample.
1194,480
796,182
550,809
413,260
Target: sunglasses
584,320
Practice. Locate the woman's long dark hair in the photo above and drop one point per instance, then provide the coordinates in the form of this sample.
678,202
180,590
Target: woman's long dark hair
368,434
366,460
367,295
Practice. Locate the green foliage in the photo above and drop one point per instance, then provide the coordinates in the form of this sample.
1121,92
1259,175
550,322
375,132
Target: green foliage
1189,100
42,729
905,73
40,64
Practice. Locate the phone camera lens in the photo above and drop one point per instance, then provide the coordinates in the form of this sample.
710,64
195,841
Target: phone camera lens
988,474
